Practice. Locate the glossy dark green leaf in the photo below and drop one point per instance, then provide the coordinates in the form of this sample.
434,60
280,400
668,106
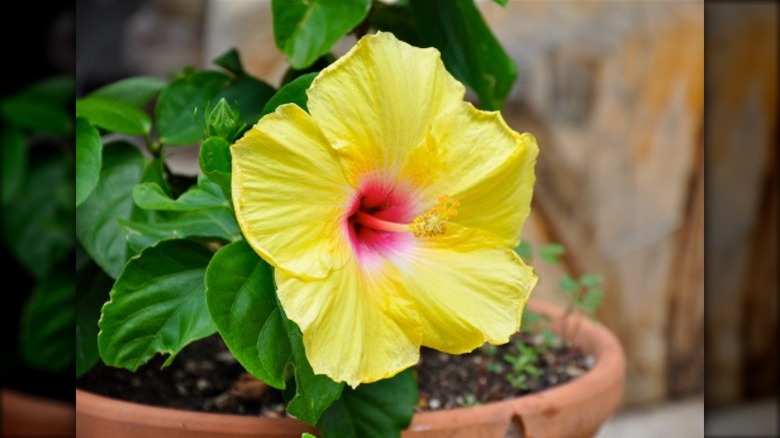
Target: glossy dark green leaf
247,94
216,223
135,91
468,48
294,73
97,225
381,409
206,194
307,29
183,104
314,393
89,157
14,160
157,305
92,287
242,302
37,223
230,61
395,18
113,116
46,332
215,162
154,172
202,211
294,92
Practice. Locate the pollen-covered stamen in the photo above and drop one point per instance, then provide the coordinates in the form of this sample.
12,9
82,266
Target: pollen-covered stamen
434,221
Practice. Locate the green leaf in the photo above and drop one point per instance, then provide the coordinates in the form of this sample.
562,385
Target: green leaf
37,224
154,172
136,91
307,29
157,305
591,301
569,284
397,19
88,159
551,252
41,107
216,162
36,114
249,95
97,225
113,116
314,393
468,48
294,73
182,106
202,211
591,279
501,3
219,223
57,91
14,160
230,61
381,409
293,92
92,287
242,301
525,250
46,332
206,194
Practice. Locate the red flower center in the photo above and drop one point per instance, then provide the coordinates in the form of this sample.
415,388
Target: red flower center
378,219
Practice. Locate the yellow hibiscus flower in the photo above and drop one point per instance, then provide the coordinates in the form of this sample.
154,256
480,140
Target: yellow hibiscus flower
389,211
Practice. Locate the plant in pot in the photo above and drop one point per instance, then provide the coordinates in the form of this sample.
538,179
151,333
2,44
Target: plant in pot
339,223
38,250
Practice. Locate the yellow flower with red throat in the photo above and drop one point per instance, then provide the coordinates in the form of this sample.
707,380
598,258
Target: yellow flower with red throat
389,211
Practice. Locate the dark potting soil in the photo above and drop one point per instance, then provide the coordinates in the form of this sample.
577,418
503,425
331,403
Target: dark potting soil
206,377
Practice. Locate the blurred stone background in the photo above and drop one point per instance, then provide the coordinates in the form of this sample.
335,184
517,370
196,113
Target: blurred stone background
614,92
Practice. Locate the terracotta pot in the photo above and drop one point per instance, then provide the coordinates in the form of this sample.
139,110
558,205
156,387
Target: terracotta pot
573,409
30,416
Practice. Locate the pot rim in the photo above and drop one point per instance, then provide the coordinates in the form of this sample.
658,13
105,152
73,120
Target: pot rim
33,415
604,377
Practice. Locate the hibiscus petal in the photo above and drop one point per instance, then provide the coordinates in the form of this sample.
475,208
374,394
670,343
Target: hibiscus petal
291,214
357,326
475,158
467,289
377,102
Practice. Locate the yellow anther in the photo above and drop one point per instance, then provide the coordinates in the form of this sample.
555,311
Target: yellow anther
434,221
